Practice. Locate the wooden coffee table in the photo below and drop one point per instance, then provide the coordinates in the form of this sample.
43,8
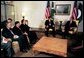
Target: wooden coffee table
51,45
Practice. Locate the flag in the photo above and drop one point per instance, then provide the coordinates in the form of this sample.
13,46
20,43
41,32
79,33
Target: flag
75,11
52,11
47,13
80,12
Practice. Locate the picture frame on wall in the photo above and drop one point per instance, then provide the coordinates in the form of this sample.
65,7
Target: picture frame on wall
63,9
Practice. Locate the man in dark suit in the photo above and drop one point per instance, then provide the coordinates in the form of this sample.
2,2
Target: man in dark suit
70,26
76,44
6,45
7,33
31,34
17,31
3,24
49,26
24,27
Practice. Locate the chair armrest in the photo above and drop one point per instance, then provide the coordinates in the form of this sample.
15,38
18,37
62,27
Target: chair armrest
78,47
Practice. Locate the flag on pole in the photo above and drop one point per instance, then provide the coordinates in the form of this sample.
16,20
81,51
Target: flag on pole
75,11
80,12
47,13
52,11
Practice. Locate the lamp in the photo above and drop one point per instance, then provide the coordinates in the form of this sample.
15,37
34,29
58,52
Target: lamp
12,13
23,13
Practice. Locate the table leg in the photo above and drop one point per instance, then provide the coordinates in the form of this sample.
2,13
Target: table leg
35,52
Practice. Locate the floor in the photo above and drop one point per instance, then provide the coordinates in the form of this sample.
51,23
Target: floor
29,53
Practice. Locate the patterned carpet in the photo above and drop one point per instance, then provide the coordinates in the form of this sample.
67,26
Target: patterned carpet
29,53
39,35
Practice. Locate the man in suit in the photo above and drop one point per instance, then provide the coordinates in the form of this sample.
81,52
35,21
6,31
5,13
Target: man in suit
3,24
49,26
31,34
76,45
6,45
24,27
8,33
18,31
70,26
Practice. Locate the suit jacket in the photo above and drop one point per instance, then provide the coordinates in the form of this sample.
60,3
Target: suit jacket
17,31
1,36
24,28
7,33
68,25
50,24
73,24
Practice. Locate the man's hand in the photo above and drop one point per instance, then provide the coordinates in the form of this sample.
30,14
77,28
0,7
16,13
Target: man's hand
53,26
71,32
71,28
75,29
47,26
16,36
5,39
1,29
50,30
45,29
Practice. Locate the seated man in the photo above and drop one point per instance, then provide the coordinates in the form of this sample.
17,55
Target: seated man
30,34
49,26
3,24
24,26
17,31
6,46
70,27
7,33
76,46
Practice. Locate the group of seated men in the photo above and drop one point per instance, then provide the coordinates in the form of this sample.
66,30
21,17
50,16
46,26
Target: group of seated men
69,26
75,45
19,32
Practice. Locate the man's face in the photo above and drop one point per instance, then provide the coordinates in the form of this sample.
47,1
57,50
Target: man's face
9,25
24,22
18,24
